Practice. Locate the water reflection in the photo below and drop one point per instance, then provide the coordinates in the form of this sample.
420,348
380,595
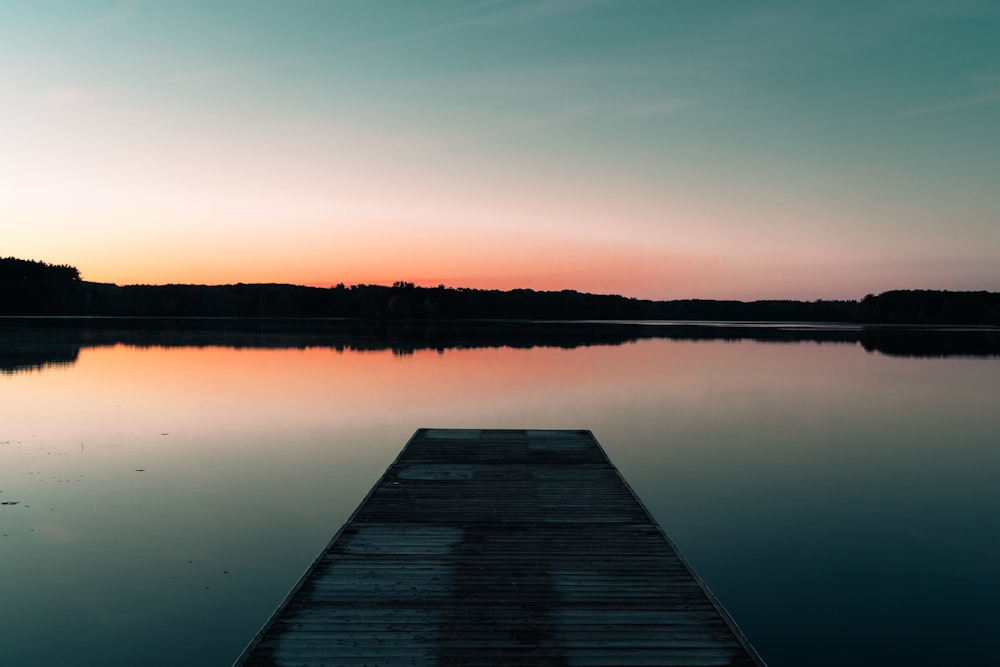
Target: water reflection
932,341
25,349
34,344
173,482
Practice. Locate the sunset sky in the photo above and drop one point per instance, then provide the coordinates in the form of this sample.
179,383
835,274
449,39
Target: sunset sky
653,148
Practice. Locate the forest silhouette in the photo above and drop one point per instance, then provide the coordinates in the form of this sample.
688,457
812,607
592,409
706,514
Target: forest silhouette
34,288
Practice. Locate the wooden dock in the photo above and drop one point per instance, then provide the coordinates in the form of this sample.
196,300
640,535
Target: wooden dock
500,547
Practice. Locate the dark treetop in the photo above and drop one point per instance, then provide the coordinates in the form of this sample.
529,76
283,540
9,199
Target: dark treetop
36,288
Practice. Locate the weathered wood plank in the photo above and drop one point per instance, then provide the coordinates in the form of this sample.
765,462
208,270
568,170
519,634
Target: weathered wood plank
497,547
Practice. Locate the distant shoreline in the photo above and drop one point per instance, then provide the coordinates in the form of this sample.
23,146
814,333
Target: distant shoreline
30,288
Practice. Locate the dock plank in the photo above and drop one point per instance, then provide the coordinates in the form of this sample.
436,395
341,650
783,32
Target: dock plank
500,547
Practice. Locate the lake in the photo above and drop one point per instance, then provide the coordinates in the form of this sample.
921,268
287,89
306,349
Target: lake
164,484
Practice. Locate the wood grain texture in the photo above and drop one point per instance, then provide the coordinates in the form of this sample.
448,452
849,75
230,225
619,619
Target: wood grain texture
500,547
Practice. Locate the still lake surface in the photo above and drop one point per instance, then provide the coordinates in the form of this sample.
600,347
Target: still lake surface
165,485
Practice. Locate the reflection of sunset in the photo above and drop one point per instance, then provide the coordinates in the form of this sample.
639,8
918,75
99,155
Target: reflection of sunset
146,389
202,395
157,461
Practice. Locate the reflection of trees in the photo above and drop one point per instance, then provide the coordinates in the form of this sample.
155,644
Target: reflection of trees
930,342
31,344
23,350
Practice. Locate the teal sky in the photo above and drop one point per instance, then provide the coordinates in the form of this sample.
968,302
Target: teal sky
654,148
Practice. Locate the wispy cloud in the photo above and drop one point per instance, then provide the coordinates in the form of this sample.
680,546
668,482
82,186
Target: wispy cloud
203,75
661,108
58,96
932,10
528,123
496,14
621,110
121,13
524,100
954,105
988,78
515,13
777,34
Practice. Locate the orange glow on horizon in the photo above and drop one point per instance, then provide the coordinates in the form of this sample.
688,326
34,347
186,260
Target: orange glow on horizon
503,264
373,252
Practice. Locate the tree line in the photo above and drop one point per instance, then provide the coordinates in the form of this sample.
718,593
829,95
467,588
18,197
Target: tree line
931,307
36,288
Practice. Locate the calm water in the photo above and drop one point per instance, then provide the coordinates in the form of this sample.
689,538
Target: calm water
163,492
